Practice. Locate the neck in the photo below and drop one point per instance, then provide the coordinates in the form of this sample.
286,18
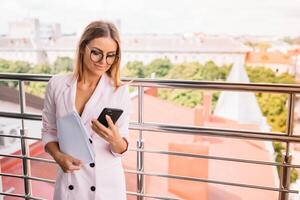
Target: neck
90,79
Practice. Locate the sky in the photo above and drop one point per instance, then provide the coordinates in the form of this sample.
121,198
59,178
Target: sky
232,17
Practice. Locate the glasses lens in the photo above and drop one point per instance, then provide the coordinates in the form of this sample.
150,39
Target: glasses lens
110,59
96,56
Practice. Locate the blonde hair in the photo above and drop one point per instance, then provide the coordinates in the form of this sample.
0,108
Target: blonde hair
98,29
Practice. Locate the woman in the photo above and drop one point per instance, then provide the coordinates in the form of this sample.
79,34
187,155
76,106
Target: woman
94,85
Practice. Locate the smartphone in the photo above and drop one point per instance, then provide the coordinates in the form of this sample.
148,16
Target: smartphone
114,114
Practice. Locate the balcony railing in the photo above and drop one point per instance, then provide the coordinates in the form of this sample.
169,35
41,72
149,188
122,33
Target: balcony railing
141,126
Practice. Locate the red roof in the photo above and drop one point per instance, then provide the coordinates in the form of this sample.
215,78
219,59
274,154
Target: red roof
160,111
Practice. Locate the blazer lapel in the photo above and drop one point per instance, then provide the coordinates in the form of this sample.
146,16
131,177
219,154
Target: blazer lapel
93,107
69,94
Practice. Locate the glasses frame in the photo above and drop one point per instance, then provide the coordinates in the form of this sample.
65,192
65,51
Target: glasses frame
103,55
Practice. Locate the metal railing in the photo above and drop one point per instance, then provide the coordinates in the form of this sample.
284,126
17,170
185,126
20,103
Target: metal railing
141,126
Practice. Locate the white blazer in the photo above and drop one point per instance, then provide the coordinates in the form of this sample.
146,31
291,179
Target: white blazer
104,179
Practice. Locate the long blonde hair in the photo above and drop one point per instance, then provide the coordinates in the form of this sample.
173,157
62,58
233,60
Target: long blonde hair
98,29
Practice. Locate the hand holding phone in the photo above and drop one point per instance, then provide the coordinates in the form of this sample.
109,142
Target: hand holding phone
114,114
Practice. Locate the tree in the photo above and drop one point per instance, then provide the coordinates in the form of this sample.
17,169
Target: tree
62,64
134,69
13,67
160,67
43,68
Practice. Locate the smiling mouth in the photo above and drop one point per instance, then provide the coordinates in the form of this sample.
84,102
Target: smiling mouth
99,67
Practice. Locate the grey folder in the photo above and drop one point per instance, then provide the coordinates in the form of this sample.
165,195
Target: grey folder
73,138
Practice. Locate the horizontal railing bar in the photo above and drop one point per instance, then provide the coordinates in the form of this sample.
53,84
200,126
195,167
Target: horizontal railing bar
35,198
12,195
41,160
215,158
41,179
26,116
20,137
150,196
28,177
11,156
20,196
170,153
29,158
187,129
12,175
212,85
187,178
192,130
25,77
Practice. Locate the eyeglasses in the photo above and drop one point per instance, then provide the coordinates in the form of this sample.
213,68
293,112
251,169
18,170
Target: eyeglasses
96,55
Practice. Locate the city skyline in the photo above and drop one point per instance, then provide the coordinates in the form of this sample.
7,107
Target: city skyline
232,17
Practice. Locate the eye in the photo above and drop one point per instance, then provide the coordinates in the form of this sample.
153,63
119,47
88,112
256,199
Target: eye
95,52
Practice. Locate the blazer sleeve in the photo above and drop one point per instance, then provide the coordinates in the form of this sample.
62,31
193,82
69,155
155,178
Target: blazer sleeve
49,130
123,122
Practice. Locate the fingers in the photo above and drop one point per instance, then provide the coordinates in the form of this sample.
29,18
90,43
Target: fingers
76,162
99,126
70,164
110,122
98,131
74,167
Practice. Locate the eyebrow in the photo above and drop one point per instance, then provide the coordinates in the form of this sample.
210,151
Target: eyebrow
102,50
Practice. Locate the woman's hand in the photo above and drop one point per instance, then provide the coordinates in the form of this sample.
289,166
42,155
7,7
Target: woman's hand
67,162
110,134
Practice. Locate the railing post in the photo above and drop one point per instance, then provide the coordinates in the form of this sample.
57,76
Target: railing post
285,171
26,164
140,145
140,168
285,174
24,144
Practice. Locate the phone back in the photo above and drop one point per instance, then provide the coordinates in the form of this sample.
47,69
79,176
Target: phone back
114,114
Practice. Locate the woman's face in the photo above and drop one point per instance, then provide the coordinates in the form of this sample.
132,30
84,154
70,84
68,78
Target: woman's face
99,55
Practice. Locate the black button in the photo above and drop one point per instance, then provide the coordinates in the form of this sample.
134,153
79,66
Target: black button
91,141
93,188
71,187
92,164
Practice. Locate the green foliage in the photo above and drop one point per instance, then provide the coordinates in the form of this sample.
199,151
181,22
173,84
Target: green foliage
134,69
193,71
211,72
188,98
163,68
273,106
62,65
14,66
184,71
137,69
43,68
36,88
160,67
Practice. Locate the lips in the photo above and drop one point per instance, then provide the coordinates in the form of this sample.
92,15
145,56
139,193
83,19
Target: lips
100,66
